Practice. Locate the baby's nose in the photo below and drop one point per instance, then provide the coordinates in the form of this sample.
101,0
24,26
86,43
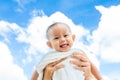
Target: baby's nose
62,39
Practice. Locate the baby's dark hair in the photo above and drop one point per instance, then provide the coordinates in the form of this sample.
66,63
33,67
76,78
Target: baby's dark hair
56,23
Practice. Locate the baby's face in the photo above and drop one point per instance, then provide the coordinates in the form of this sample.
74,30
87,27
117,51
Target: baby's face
60,37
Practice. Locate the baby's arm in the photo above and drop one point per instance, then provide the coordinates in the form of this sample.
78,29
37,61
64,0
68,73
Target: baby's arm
35,75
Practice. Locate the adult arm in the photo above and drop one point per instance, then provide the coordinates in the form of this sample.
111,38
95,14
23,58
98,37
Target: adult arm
83,63
35,75
95,72
48,70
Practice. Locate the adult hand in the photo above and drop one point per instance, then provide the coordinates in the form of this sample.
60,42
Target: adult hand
83,64
50,68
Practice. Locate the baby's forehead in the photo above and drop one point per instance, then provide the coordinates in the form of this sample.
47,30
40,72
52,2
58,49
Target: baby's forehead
60,27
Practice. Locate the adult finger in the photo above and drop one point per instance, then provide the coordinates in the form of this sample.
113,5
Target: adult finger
80,68
85,64
80,57
58,67
80,63
76,62
81,53
56,62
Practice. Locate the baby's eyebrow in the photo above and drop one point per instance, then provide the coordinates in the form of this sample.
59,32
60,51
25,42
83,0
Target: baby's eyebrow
56,35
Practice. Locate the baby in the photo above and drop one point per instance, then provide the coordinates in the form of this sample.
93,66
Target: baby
61,39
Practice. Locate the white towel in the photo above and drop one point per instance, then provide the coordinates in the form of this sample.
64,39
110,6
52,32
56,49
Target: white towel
66,73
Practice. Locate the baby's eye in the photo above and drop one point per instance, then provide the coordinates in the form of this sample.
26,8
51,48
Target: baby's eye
56,38
65,35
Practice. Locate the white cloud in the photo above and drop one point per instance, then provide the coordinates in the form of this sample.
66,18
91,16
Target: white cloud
22,3
104,41
8,69
36,13
7,28
106,78
19,3
114,75
35,34
36,31
107,36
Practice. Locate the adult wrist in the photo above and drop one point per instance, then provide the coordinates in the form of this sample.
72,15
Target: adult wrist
46,75
90,77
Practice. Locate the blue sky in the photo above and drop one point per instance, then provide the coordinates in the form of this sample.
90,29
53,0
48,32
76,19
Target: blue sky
23,24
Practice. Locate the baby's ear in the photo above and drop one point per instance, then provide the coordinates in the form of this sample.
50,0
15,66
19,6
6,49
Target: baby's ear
73,37
49,44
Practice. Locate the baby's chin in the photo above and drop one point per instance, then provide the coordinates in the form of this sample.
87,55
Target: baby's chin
64,50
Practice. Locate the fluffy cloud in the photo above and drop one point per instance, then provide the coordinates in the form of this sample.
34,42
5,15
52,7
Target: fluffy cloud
107,36
35,34
8,69
7,28
103,42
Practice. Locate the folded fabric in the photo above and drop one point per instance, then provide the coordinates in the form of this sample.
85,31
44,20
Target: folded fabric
66,73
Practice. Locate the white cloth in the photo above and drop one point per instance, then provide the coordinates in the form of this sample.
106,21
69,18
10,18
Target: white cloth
66,73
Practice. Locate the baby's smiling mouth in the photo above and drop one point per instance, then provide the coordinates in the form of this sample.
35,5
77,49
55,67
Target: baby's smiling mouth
64,45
